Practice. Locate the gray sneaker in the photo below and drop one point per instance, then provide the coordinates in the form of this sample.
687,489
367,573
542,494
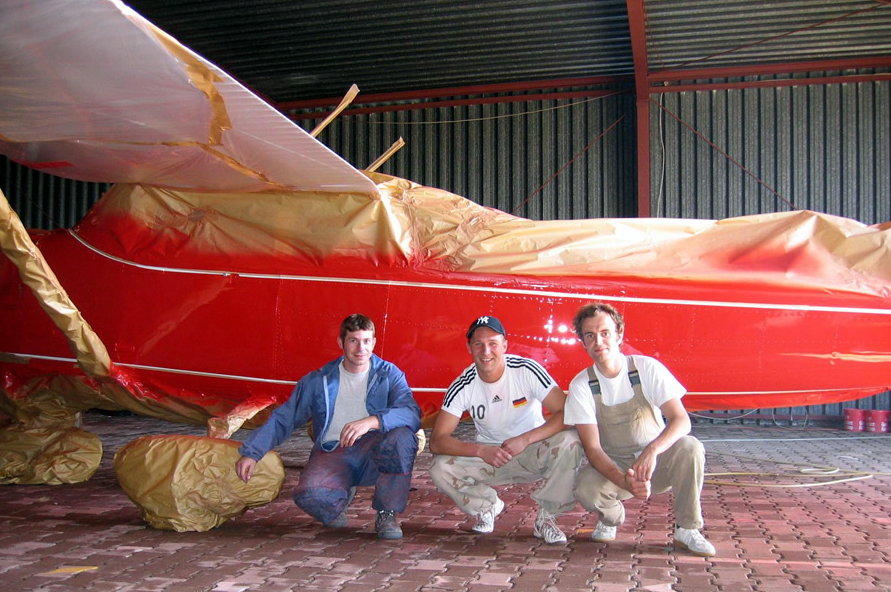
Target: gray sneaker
385,525
341,519
485,521
546,528
692,540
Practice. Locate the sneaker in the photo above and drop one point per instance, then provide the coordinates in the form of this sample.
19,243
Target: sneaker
546,528
385,525
692,540
485,521
603,533
341,519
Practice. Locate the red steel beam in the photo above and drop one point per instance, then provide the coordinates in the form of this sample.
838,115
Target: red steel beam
768,69
852,79
457,91
637,23
463,102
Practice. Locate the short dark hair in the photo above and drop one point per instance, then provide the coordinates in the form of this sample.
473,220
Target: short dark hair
594,309
356,322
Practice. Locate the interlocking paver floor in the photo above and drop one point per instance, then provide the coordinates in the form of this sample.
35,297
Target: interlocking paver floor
774,528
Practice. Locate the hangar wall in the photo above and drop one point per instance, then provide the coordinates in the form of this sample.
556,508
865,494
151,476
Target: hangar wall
821,147
506,155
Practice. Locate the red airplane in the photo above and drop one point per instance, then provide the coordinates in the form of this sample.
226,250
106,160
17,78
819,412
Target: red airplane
215,273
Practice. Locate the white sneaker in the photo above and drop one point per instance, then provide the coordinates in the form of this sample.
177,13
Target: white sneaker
692,540
603,533
485,521
546,528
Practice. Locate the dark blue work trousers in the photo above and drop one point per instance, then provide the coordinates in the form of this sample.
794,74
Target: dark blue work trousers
384,460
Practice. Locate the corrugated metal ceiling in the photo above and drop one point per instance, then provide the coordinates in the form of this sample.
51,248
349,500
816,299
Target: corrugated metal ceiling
692,33
297,51
290,50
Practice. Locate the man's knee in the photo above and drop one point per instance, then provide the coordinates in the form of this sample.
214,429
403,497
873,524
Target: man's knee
322,503
397,451
440,470
566,448
567,439
690,447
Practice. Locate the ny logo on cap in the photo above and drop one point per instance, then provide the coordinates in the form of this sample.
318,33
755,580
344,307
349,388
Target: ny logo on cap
482,320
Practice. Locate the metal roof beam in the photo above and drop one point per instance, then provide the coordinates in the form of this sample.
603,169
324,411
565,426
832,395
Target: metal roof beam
637,17
668,76
772,83
458,91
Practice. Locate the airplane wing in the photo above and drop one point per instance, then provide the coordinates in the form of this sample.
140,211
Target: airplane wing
139,107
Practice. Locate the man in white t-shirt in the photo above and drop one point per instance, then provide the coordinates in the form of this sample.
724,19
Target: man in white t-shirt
617,406
504,394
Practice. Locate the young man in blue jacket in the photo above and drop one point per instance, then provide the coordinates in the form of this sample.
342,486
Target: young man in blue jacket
365,420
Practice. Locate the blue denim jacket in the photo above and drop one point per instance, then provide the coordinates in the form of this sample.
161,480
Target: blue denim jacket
389,398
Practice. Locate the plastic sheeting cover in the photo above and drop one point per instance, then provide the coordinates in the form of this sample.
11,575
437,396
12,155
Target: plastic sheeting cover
48,455
188,483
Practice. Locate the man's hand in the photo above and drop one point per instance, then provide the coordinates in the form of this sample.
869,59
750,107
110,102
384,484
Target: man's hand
245,468
495,455
356,429
645,464
639,487
515,445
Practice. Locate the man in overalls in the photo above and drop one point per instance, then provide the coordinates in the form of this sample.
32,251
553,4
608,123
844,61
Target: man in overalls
617,406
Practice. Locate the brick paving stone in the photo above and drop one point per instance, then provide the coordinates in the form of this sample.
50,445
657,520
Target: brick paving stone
655,573
864,585
462,571
535,580
730,578
397,585
570,581
608,575
767,569
818,584
613,587
795,556
881,577
777,584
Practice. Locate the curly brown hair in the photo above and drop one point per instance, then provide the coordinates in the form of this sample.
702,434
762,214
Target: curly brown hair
594,309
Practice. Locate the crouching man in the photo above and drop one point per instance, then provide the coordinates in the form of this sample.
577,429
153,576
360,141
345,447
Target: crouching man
617,406
504,395
365,419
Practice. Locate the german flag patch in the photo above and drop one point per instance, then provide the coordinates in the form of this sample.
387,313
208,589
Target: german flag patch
520,402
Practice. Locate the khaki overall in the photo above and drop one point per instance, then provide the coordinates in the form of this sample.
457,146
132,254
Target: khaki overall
625,430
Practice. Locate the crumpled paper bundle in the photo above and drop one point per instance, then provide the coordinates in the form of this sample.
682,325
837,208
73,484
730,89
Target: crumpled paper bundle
188,483
48,455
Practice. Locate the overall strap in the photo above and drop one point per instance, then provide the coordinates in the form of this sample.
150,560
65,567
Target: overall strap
593,383
633,378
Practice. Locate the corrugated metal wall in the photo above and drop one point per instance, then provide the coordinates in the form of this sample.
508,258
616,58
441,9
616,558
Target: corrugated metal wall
823,147
45,201
500,155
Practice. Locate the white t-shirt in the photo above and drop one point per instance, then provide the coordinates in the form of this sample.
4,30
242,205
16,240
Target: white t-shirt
350,403
503,409
659,387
